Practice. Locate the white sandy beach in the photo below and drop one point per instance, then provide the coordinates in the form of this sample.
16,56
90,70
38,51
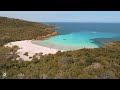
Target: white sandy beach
32,49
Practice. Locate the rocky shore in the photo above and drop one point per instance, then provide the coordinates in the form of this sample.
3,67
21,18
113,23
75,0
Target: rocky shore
46,36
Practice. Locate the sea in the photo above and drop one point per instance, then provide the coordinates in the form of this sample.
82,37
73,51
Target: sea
75,35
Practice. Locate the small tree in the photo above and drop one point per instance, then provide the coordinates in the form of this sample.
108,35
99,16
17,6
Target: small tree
26,54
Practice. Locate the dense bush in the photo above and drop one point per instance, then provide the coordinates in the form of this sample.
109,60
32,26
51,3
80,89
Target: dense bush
100,63
15,30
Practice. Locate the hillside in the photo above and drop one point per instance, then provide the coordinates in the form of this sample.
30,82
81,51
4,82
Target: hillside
15,30
100,63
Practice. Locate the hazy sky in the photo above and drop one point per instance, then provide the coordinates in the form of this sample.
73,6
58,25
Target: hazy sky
64,16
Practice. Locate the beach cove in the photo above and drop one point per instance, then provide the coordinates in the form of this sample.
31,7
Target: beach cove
73,36
69,38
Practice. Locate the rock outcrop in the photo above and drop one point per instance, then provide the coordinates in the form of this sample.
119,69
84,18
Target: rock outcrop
47,36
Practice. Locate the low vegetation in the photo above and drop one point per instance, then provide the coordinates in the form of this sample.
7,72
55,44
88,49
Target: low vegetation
15,30
100,63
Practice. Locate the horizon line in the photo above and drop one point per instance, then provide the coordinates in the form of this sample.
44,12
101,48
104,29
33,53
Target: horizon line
56,21
79,22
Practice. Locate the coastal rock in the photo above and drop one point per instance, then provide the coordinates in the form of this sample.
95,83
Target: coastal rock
47,36
54,33
39,38
44,36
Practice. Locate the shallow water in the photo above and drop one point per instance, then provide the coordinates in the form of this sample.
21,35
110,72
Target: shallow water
80,35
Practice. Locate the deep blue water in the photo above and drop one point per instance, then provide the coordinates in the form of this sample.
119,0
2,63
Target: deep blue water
81,35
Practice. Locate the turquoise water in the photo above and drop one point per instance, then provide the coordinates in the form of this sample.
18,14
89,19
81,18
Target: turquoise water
80,35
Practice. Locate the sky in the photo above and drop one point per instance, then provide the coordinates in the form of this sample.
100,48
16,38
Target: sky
65,16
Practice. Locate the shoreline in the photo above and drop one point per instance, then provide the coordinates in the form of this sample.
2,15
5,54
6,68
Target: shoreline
32,49
48,35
